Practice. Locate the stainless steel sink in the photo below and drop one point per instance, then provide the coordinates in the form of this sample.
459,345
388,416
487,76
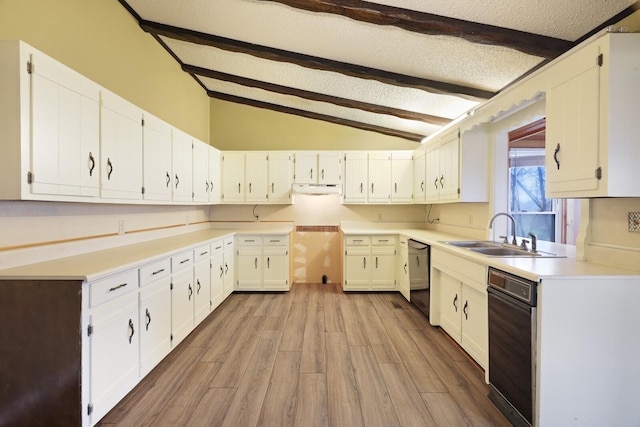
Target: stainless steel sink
496,249
474,244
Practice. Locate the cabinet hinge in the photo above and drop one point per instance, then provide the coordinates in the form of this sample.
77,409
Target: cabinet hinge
600,60
142,190
31,68
599,173
458,190
89,409
89,330
142,121
171,337
29,177
171,286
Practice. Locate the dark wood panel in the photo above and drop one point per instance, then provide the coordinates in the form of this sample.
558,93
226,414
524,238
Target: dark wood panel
40,353
430,24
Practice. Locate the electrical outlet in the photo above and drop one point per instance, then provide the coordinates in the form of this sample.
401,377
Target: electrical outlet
634,222
120,227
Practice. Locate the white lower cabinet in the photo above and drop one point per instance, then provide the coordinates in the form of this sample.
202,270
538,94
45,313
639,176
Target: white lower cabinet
155,323
114,352
370,263
461,286
402,268
263,263
229,266
182,296
202,284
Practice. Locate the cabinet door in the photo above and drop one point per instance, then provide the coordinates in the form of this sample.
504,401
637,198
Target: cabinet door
280,175
275,267
355,177
156,136
249,273
402,268
229,266
181,155
200,173
114,352
379,177
573,118
305,167
432,192
449,169
450,305
402,176
232,177
419,175
65,130
383,269
474,338
215,177
217,274
357,268
182,296
256,176
120,148
202,290
155,324
330,167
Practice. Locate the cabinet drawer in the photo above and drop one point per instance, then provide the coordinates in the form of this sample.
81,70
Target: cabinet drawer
357,240
275,250
217,246
112,287
152,272
276,240
249,241
386,240
202,252
228,243
182,260
383,250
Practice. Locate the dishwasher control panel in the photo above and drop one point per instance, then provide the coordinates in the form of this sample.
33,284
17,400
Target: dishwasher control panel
522,289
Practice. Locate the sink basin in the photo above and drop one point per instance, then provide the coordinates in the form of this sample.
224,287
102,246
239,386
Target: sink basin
500,251
474,244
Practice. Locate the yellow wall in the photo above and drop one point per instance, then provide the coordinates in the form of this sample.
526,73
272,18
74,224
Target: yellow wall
101,40
241,127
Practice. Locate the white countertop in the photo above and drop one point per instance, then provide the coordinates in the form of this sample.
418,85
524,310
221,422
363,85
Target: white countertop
532,268
94,265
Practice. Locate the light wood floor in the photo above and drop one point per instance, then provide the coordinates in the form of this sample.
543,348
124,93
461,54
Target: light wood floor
314,356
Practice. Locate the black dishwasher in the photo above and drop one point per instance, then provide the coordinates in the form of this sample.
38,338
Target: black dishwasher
419,292
512,338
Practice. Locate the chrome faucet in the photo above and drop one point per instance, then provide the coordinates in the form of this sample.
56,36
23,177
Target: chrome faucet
534,242
513,224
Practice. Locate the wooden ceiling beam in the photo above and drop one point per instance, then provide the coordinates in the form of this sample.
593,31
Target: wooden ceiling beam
316,116
314,62
314,96
430,24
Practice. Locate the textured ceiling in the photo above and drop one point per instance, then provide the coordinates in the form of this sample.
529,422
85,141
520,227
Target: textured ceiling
290,56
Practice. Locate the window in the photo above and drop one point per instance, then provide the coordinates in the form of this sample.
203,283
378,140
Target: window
550,219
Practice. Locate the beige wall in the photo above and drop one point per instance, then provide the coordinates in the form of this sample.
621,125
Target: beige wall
102,41
241,127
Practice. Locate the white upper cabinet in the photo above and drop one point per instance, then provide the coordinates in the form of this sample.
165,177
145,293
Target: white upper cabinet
456,168
49,128
120,148
233,176
402,176
215,177
379,187
201,184
182,155
591,141
419,174
323,167
157,180
356,176
256,176
280,177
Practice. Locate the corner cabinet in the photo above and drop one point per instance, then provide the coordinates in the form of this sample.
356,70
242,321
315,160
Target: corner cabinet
263,263
591,143
459,287
370,263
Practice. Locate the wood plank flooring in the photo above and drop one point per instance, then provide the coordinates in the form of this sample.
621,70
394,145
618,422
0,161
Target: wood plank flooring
315,356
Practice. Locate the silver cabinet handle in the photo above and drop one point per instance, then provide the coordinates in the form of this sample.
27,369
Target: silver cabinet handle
92,164
109,168
455,302
168,179
364,263
115,288
322,176
256,263
177,180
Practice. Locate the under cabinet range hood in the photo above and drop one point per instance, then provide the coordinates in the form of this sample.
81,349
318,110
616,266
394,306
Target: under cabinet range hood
317,189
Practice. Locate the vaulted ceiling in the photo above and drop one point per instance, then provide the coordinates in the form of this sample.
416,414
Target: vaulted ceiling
399,67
